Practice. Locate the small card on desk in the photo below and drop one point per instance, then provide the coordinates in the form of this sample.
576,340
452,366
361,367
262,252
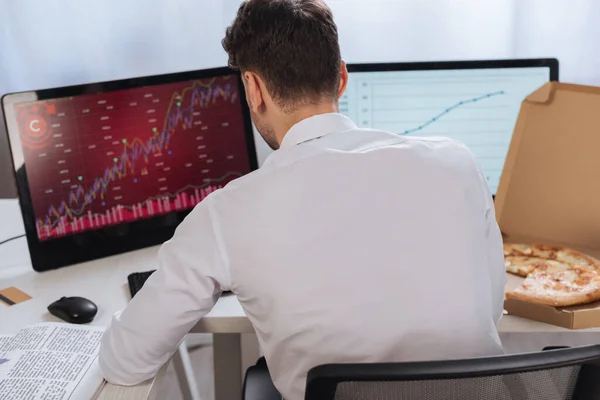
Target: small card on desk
11,296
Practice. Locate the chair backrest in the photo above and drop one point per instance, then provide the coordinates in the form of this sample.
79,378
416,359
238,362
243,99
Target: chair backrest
562,374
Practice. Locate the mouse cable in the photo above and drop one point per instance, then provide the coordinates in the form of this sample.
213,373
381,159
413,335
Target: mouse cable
12,238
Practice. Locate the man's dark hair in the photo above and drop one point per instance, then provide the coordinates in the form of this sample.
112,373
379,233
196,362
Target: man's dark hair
292,44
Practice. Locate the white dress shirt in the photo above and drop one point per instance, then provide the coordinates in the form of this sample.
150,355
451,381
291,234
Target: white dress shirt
348,245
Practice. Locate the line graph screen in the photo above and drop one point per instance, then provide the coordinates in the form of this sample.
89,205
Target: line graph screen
478,107
97,160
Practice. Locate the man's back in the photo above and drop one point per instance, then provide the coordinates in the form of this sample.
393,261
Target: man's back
348,245
362,246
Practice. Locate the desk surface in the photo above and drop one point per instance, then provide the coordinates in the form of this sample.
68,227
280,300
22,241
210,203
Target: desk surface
114,392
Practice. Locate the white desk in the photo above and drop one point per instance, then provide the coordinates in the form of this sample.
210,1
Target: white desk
145,391
104,282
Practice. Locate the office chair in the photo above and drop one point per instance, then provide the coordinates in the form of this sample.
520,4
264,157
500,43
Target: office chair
258,384
559,374
556,374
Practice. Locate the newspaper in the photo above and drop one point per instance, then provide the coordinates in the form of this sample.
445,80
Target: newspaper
50,361
4,342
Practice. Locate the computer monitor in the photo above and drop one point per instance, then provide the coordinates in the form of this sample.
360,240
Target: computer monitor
111,167
475,102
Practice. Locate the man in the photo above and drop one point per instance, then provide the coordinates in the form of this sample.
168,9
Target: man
348,245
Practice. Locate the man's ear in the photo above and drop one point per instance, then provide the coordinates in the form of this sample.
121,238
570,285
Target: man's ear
255,91
343,79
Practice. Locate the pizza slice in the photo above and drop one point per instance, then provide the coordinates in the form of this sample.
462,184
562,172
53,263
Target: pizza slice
533,250
516,249
559,284
522,259
522,265
576,258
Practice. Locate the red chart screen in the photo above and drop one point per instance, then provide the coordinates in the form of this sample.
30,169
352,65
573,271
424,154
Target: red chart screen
104,159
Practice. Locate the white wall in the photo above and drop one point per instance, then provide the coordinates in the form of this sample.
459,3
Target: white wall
569,30
389,30
52,43
412,30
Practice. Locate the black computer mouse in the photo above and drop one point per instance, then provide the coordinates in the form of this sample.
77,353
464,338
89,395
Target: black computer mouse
75,310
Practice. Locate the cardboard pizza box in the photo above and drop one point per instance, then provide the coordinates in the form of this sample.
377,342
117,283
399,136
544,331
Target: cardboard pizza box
549,191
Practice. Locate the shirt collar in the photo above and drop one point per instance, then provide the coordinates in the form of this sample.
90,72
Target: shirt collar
315,127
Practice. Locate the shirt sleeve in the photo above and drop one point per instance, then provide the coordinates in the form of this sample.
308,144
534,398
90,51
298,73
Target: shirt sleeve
190,277
495,262
494,245
495,253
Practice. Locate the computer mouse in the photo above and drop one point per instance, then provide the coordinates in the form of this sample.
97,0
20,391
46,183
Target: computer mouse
76,310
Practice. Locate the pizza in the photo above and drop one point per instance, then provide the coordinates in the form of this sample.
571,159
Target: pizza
554,276
535,250
559,284
522,265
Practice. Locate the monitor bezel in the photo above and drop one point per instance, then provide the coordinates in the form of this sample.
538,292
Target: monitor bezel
122,238
551,63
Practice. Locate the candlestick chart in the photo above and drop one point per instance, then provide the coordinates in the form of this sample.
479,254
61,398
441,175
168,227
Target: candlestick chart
97,160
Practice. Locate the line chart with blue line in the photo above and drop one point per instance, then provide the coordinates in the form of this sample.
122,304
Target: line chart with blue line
476,107
450,109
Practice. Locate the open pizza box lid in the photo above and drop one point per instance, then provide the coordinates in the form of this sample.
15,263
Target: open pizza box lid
549,191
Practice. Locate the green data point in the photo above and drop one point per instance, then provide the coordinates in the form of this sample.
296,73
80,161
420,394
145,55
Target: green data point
154,129
115,159
124,140
178,104
80,178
